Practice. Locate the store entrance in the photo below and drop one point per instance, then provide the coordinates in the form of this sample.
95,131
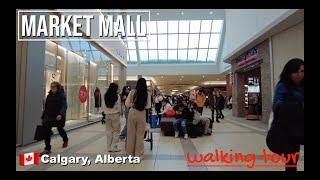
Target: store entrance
253,102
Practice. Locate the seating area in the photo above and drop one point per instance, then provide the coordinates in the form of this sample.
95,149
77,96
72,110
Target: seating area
166,125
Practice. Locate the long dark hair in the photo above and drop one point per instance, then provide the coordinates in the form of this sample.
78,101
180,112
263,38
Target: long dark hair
124,93
141,95
291,67
111,96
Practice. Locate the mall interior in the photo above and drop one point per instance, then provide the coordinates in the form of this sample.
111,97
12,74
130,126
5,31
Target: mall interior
188,50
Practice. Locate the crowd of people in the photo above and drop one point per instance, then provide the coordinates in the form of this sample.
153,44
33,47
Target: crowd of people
135,106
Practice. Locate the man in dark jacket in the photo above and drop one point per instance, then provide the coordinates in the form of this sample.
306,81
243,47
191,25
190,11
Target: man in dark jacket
183,116
221,103
54,115
213,104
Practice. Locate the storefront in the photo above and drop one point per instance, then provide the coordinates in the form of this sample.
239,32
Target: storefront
251,92
84,69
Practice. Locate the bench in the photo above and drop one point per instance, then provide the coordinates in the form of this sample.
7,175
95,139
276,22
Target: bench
166,126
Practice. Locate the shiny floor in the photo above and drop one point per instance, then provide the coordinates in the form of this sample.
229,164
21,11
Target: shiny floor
233,135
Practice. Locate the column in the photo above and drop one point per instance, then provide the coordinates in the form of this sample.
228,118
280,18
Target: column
122,76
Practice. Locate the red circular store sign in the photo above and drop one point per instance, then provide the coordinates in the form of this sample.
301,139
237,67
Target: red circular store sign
83,94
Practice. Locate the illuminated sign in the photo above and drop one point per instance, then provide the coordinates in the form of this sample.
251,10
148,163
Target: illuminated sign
249,56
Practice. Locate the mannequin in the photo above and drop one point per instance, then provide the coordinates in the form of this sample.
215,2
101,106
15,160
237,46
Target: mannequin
97,98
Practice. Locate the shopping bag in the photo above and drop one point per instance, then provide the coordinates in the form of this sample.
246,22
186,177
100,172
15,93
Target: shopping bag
39,134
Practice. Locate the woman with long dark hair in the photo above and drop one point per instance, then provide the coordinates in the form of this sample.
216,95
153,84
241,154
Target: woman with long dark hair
287,129
139,100
113,109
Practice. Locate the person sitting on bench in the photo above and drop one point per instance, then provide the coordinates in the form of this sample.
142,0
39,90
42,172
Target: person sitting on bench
182,115
197,118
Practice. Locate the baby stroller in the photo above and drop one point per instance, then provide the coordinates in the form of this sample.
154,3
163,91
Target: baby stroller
103,120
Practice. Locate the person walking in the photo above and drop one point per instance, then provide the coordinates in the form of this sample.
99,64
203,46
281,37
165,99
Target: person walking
213,104
220,107
54,115
200,99
287,128
139,100
125,109
113,109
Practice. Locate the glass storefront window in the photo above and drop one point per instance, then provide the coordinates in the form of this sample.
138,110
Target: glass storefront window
75,64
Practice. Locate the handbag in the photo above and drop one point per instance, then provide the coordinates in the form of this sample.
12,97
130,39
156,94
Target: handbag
40,133
170,113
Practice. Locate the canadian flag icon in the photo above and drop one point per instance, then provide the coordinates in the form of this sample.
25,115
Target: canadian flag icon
29,158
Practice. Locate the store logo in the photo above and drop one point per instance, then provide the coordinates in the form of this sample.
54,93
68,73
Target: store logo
249,56
29,158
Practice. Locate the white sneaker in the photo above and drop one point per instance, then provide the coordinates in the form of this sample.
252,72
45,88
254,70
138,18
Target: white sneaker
186,136
176,134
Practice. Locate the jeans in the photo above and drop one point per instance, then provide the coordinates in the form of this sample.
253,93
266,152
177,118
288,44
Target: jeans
183,123
220,113
123,133
48,126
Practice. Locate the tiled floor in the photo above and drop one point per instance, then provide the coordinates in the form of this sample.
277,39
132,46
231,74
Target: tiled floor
235,135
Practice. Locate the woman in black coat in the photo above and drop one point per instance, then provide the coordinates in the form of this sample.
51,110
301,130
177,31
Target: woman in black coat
54,115
287,129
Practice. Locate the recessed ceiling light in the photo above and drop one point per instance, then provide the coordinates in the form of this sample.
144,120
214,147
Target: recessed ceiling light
182,13
210,12
158,14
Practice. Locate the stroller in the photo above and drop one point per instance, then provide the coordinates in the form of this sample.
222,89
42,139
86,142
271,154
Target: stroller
103,120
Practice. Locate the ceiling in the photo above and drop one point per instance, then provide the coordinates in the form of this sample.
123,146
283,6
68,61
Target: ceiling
177,36
185,83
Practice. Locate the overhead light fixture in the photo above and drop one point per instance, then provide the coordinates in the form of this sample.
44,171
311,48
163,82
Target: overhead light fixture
59,57
158,14
210,12
195,81
214,83
174,90
182,13
202,76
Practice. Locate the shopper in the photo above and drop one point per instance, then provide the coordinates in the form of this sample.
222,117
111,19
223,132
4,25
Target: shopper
200,99
183,114
221,103
139,100
287,129
125,109
213,104
113,109
54,115
197,118
158,104
166,106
